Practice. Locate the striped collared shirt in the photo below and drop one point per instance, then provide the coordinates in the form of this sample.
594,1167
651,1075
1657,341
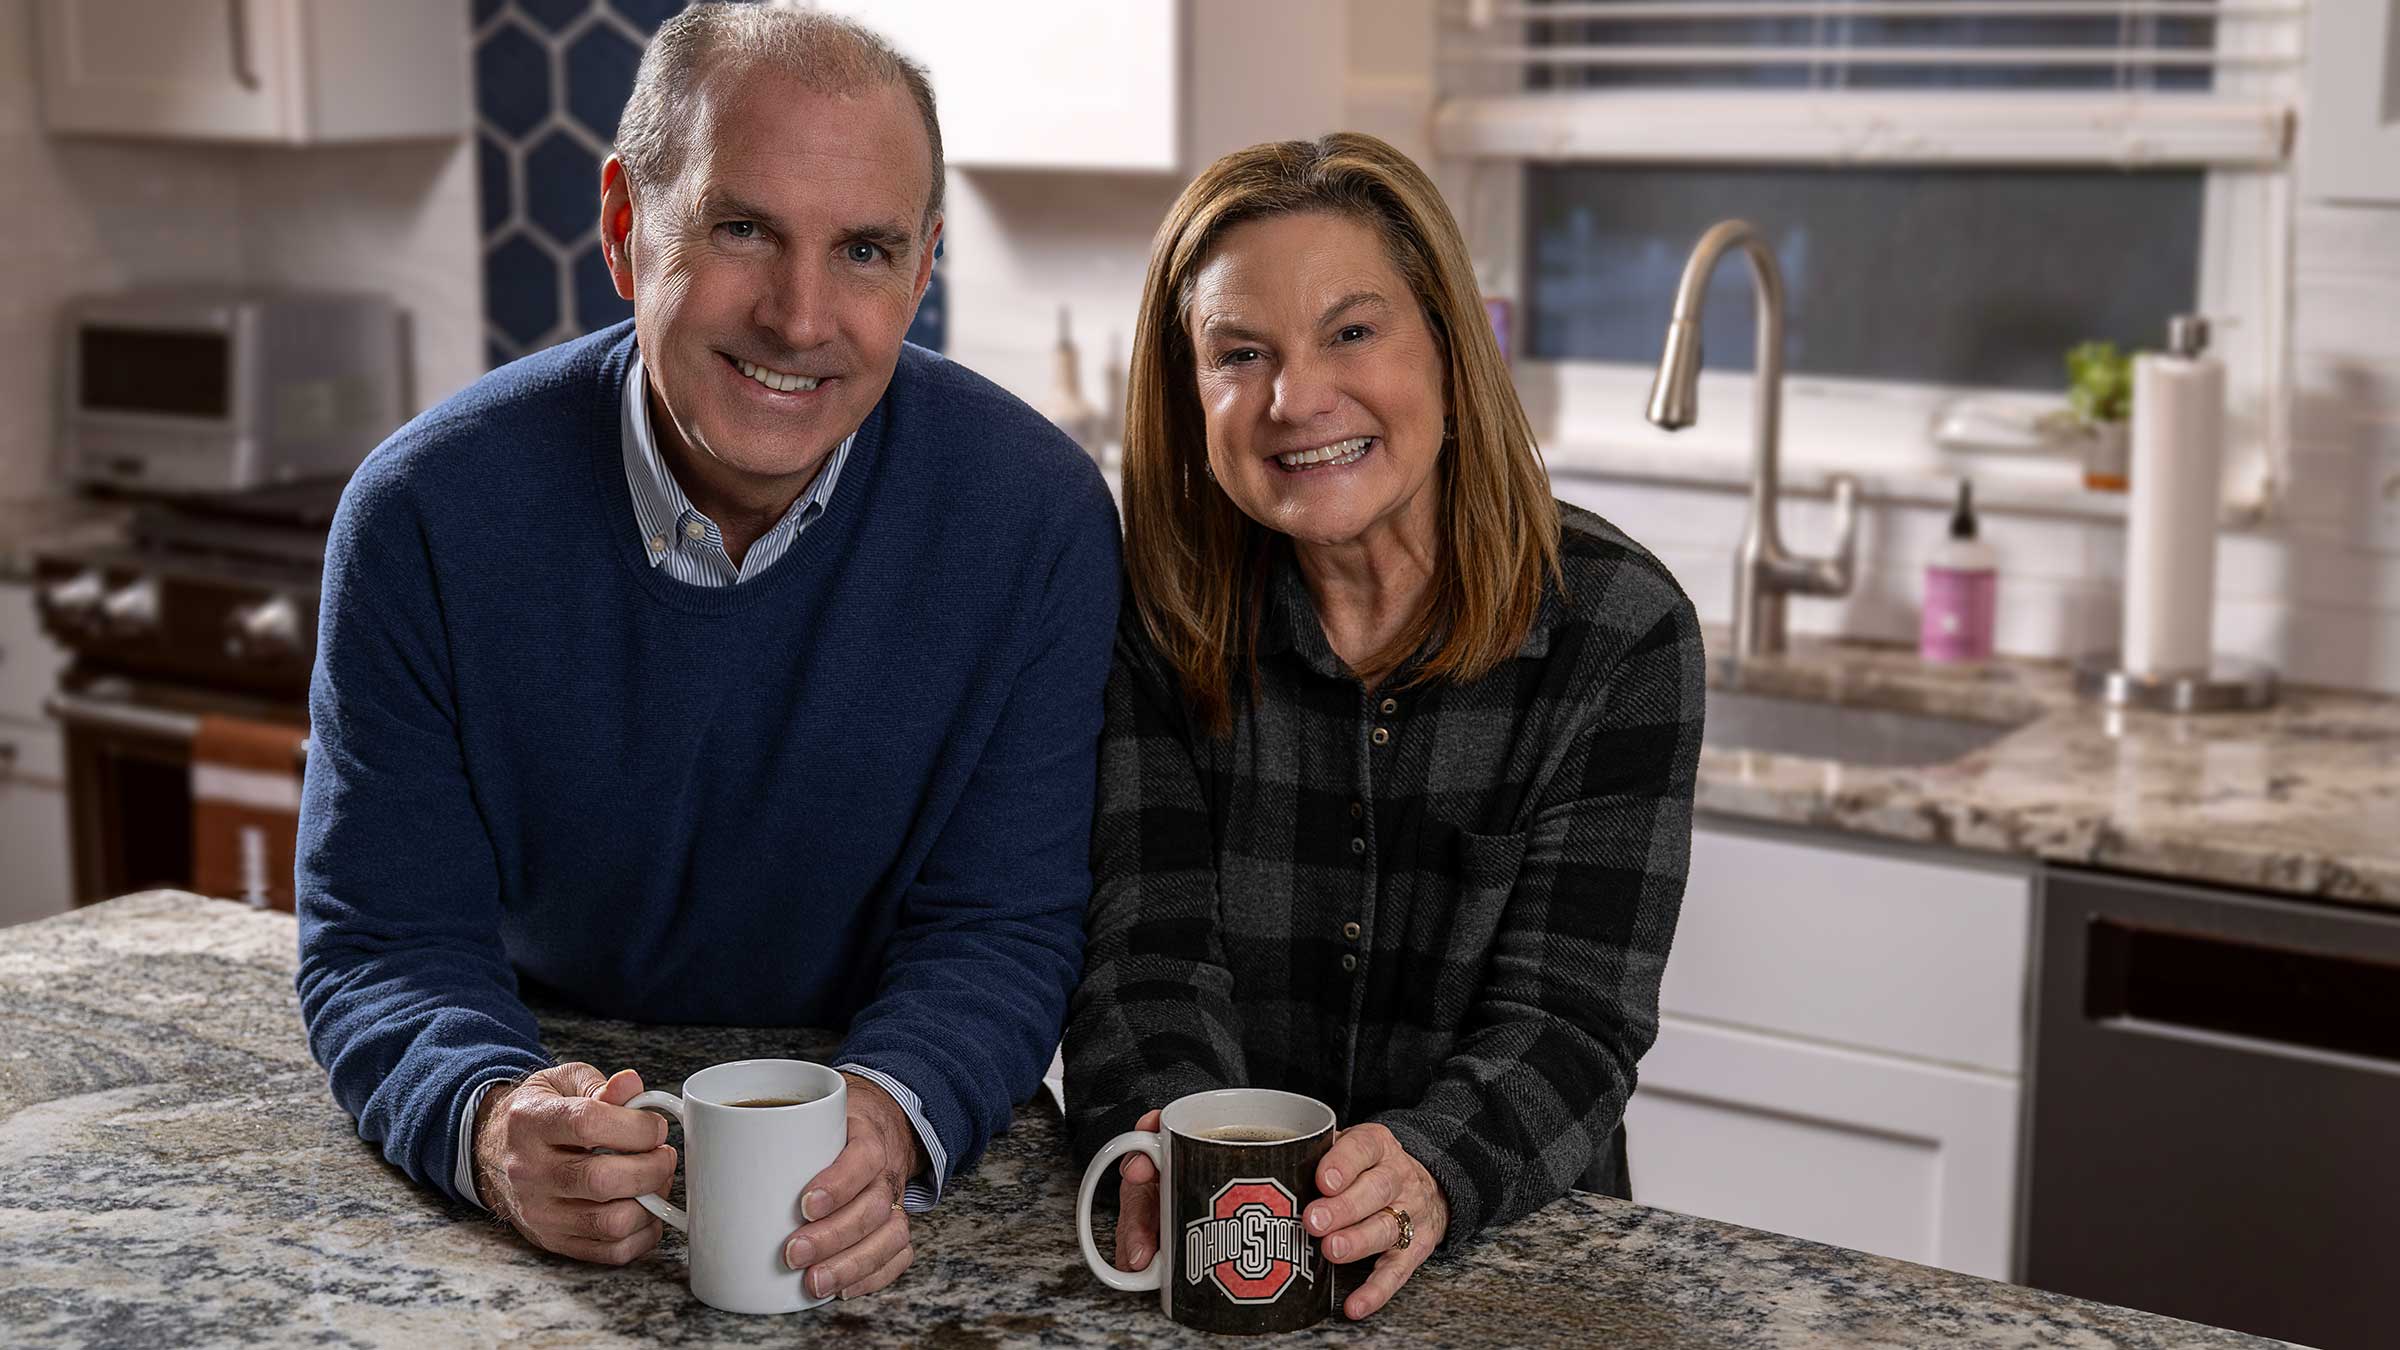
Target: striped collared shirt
674,533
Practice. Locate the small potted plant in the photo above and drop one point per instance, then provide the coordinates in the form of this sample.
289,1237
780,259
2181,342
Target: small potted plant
2099,399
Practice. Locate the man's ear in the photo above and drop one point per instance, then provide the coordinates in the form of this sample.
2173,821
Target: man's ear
616,224
933,241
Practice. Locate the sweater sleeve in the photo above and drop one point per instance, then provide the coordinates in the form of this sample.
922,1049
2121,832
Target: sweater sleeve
1538,1082
1154,1018
408,995
990,934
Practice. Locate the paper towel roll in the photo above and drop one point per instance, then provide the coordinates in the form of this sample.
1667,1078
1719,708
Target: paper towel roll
2178,442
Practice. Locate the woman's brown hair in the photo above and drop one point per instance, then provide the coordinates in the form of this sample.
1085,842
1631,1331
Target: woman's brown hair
1196,563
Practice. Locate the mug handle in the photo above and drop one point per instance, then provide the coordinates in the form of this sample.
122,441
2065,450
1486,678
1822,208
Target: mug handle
1132,1141
666,1104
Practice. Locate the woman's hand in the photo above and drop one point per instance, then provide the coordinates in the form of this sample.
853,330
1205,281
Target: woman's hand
1365,1171
1137,1205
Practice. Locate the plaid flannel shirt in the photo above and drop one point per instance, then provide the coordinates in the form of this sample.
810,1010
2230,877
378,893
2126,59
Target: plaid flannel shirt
1445,909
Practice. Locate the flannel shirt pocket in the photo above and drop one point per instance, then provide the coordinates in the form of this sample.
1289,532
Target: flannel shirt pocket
1456,917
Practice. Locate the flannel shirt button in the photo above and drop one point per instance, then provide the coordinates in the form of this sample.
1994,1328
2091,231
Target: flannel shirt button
1349,963
1350,931
1390,706
1382,735
1357,845
1357,810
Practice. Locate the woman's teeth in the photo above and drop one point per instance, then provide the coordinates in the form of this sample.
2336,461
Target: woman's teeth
1340,452
775,379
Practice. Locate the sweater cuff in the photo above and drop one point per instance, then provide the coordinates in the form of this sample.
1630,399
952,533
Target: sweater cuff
924,1189
462,1147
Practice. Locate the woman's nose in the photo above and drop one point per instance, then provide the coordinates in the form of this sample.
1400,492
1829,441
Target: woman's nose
1303,390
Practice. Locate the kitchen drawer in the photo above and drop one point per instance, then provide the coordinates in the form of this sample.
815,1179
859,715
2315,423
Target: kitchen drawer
1860,945
35,882
29,660
1903,1159
32,753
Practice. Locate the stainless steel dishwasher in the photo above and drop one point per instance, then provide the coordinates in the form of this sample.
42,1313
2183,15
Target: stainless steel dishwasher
2216,1107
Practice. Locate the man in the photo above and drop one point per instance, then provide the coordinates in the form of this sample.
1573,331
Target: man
736,665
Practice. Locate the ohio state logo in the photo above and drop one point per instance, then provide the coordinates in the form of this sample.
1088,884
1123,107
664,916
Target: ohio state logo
1250,1243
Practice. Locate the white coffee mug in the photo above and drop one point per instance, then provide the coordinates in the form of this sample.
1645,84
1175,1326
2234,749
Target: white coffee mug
744,1169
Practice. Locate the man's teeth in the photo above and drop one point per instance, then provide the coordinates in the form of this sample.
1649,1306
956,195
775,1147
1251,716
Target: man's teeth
1340,452
775,379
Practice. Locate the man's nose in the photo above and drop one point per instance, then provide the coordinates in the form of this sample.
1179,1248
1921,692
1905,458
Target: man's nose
795,305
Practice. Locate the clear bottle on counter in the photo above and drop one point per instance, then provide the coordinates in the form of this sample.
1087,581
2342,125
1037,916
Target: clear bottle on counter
1962,590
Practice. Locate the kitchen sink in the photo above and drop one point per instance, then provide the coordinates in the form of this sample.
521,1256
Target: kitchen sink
1878,737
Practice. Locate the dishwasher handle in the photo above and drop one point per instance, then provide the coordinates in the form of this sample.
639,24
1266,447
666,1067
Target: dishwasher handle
2268,997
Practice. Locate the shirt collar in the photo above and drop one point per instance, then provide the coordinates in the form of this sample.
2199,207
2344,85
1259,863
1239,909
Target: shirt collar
660,508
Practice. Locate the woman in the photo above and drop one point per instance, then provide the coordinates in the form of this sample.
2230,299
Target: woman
1396,780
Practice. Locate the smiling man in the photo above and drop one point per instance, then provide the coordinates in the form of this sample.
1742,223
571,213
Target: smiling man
740,664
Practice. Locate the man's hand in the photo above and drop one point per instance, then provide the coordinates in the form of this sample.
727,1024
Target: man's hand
855,1238
534,1163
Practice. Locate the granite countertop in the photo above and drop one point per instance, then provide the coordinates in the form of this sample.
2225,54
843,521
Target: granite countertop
49,522
177,1174
2303,797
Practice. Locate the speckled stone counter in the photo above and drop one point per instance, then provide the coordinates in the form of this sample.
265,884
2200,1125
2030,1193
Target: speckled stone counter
177,1175
28,525
2303,797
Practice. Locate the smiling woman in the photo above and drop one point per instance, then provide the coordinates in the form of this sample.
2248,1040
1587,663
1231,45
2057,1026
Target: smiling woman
1396,772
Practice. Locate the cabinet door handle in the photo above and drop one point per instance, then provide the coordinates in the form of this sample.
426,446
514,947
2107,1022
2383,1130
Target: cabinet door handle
8,758
237,14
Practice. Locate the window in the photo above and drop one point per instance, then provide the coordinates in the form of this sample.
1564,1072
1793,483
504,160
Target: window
1944,276
1959,188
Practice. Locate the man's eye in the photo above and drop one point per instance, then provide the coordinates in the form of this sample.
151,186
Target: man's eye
860,251
741,229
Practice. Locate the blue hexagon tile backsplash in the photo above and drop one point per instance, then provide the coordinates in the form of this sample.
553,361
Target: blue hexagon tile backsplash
551,77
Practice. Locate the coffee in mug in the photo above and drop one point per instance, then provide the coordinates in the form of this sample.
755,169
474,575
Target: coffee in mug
1237,1168
744,1171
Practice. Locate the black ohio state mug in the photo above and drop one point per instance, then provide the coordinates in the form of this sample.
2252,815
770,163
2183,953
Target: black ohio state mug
1237,1168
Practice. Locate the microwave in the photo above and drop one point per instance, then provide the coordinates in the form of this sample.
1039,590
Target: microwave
194,391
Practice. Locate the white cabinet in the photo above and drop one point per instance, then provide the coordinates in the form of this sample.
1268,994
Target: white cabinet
35,877
1841,1047
278,71
1159,86
2350,129
1887,1155
29,660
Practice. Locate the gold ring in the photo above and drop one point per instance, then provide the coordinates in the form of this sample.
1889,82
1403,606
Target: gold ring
1408,1231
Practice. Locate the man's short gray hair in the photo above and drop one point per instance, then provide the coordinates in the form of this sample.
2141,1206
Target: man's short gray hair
829,53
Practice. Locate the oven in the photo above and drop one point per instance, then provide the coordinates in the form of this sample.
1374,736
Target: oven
184,704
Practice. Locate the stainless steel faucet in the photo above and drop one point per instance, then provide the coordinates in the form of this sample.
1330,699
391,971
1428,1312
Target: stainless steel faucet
1763,573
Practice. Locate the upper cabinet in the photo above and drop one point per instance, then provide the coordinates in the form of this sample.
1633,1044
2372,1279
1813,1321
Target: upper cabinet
1159,86
2350,131
290,72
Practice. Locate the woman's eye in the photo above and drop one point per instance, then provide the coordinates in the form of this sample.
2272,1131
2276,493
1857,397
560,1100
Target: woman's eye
860,251
1239,356
1351,333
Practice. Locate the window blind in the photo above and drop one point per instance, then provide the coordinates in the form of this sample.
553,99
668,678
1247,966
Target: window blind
2034,82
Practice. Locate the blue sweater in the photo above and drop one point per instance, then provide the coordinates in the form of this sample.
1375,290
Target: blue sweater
855,791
